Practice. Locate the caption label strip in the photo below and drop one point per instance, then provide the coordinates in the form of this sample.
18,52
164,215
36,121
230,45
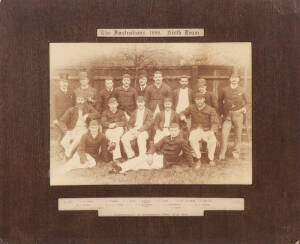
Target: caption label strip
107,207
195,32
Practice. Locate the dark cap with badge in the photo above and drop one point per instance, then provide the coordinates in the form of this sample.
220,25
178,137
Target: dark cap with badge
140,99
184,77
199,95
168,99
126,76
112,100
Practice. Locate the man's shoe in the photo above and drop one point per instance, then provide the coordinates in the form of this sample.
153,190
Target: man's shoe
235,155
198,164
212,163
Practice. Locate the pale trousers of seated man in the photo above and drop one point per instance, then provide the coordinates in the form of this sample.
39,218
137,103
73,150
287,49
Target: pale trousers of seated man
159,134
74,163
142,162
114,135
141,141
208,136
70,141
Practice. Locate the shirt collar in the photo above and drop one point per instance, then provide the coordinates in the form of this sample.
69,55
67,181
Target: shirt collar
201,108
124,89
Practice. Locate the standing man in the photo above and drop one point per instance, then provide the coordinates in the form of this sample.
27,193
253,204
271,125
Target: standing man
73,123
204,125
89,93
126,96
210,98
113,122
155,93
141,87
173,148
164,119
92,145
63,98
233,102
139,128
105,94
183,96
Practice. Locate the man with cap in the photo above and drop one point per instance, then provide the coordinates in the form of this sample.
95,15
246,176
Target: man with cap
164,119
170,150
89,93
141,87
114,121
73,123
233,101
139,127
155,93
210,98
92,146
105,94
126,96
204,125
63,98
183,96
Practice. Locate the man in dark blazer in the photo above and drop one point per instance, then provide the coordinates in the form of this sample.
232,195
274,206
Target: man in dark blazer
233,103
126,96
105,94
164,119
89,93
142,84
210,98
139,127
155,93
204,126
73,123
182,96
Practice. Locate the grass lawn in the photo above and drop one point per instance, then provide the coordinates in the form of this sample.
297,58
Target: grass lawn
231,171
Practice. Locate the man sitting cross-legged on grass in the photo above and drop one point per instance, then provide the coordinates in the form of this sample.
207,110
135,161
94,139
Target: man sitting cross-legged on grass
91,146
139,126
204,125
164,119
73,123
113,121
173,148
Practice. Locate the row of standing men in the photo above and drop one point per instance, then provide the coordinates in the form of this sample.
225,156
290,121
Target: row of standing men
147,113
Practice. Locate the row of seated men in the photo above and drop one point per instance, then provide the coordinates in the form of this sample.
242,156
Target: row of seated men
125,115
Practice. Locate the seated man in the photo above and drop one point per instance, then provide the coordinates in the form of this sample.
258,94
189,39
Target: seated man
139,126
164,119
113,121
91,145
73,123
174,149
204,125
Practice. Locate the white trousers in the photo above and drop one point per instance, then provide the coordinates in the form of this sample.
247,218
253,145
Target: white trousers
141,141
208,136
159,134
114,135
74,163
70,141
141,162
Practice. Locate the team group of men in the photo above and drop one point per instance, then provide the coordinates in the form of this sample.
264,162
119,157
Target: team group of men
166,125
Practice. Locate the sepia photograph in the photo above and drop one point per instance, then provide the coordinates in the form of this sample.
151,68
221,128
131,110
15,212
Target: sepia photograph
150,113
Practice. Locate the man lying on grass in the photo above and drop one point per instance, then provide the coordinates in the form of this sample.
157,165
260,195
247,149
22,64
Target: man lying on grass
170,150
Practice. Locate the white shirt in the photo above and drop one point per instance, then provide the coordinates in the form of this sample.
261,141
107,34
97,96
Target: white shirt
142,87
183,100
139,118
167,118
